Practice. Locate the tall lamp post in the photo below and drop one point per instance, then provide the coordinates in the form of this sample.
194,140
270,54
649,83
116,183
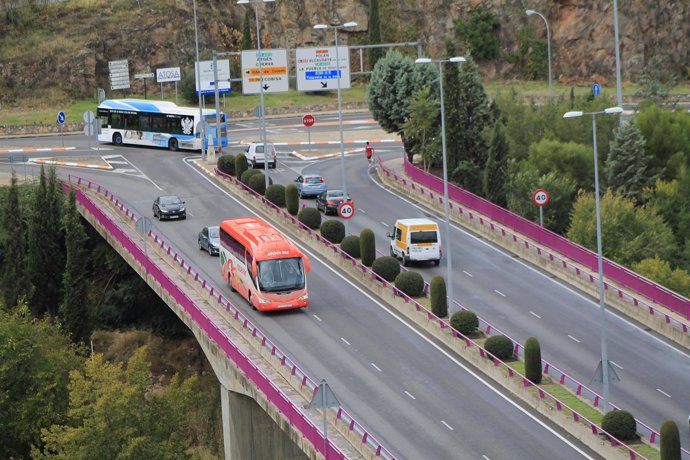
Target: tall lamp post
261,80
604,364
197,69
449,260
340,104
548,43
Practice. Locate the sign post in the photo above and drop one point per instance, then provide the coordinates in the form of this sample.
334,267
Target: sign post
541,197
119,74
308,121
324,398
346,209
167,75
318,67
596,89
61,117
143,76
274,68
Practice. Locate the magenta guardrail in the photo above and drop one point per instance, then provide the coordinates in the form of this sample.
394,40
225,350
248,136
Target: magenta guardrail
273,394
581,255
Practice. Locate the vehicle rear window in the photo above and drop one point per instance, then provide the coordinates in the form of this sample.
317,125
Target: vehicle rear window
312,180
424,237
335,194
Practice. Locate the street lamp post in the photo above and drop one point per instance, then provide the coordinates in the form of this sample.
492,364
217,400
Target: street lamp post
261,80
198,84
548,43
340,104
449,260
604,365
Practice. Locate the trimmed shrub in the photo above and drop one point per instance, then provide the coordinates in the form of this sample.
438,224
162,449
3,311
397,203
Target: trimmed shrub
533,360
257,182
292,199
465,322
620,424
244,178
311,217
500,346
350,245
333,231
438,296
670,441
386,267
241,164
226,164
275,193
367,247
411,283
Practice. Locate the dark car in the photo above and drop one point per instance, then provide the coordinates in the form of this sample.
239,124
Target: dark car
169,207
310,185
329,201
209,240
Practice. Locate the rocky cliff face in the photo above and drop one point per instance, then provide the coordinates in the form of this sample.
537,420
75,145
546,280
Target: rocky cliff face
67,46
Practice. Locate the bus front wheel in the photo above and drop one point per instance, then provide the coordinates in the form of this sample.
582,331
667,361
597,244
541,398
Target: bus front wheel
117,139
173,144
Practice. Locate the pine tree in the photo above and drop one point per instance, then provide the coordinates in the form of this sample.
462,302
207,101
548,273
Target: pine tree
374,33
452,114
627,165
247,30
73,310
15,282
496,167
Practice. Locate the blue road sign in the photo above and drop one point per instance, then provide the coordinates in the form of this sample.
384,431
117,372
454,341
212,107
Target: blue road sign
61,117
321,75
596,89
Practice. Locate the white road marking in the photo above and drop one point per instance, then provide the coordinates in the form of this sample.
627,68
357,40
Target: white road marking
341,338
447,426
468,274
499,293
376,367
485,457
395,315
663,392
409,394
534,314
617,365
385,224
573,338
362,211
317,318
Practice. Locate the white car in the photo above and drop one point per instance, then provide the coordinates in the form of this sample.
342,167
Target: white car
255,154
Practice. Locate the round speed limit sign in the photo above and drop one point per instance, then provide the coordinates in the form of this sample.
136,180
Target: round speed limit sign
346,210
541,197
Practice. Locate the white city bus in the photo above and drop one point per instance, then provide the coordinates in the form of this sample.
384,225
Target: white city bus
158,124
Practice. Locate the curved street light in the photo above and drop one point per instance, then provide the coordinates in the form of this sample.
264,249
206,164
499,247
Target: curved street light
548,43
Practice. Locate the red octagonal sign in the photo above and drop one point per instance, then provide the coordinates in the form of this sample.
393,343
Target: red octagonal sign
308,120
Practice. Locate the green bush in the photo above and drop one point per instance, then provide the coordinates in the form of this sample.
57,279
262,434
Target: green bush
350,245
257,182
244,178
480,32
367,247
275,193
333,231
410,283
670,441
311,217
226,164
533,360
465,322
241,164
438,296
292,199
620,424
500,346
386,267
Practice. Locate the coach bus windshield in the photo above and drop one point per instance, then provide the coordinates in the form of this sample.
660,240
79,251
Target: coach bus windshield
281,275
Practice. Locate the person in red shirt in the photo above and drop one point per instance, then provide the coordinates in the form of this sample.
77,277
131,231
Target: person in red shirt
369,150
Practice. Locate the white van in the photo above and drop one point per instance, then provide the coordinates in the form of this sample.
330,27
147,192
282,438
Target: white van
416,240
255,154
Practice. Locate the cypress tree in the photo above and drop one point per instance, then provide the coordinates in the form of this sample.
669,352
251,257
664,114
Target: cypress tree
438,296
247,30
627,165
367,247
670,441
496,167
15,282
374,33
533,360
452,113
73,310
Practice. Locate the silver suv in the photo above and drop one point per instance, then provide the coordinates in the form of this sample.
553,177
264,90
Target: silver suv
255,154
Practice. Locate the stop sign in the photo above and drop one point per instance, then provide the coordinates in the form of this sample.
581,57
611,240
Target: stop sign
308,120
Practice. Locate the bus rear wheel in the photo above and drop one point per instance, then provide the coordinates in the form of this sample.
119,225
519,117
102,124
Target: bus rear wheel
117,139
173,145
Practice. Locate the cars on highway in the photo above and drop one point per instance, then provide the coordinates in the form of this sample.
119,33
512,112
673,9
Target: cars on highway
310,185
169,207
329,201
255,154
209,240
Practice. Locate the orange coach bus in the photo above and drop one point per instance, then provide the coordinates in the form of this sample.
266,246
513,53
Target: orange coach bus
264,266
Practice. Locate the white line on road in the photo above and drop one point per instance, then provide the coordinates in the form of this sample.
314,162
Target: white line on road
663,392
447,426
409,394
376,367
468,274
385,224
534,314
573,338
344,340
617,365
485,457
499,293
317,318
362,211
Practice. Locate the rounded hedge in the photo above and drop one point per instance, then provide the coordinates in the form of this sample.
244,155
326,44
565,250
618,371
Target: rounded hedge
311,217
292,199
386,267
241,164
620,424
226,164
533,360
367,247
333,231
350,245
500,346
438,296
465,322
244,178
257,182
275,193
670,441
410,283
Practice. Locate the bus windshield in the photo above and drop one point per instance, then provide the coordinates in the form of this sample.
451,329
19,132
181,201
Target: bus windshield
281,275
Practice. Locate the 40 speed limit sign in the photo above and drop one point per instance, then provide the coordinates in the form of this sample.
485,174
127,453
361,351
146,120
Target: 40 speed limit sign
541,197
346,210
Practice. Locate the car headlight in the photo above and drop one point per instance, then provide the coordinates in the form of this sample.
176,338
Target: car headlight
164,211
303,297
182,209
263,301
